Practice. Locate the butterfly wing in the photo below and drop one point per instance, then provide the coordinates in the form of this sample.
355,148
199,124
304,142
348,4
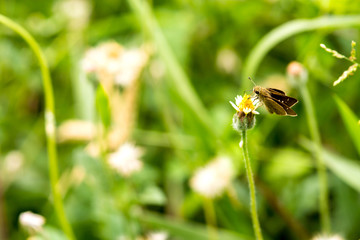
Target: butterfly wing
273,106
280,96
276,91
278,107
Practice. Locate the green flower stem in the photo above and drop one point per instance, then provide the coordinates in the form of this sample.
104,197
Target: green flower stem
321,169
178,76
250,177
49,123
287,30
210,217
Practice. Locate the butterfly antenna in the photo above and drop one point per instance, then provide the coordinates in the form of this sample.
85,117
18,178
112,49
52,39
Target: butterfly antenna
252,81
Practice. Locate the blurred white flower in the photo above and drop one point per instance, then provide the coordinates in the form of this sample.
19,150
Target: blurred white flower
111,60
13,161
76,11
76,130
149,236
122,237
328,237
157,236
211,180
132,62
32,222
227,60
126,160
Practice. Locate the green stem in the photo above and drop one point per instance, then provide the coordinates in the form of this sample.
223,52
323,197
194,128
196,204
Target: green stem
287,30
180,80
82,88
49,123
250,177
321,169
210,217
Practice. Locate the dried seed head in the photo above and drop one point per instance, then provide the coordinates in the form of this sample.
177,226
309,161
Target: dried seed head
353,51
350,71
333,52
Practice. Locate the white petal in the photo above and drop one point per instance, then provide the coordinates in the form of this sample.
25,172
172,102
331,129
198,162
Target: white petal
238,99
234,106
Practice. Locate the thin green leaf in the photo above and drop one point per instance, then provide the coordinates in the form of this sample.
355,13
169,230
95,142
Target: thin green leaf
103,106
350,120
187,230
346,169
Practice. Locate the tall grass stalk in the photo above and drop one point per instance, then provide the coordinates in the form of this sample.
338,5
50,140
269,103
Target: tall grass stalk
210,217
49,123
321,168
181,82
250,177
298,76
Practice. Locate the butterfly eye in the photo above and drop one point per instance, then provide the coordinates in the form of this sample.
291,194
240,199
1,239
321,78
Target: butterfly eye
257,92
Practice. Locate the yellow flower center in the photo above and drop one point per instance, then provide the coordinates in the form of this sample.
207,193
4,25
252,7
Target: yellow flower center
247,104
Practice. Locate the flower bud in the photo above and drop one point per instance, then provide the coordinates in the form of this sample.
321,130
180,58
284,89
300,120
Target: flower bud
242,121
297,73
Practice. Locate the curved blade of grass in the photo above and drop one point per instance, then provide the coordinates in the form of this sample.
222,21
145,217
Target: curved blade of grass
287,30
350,121
49,123
181,82
186,230
346,169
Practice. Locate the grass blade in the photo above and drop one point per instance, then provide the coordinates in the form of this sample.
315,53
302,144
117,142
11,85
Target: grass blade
346,169
186,230
350,121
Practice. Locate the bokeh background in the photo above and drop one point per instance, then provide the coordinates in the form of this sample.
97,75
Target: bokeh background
178,113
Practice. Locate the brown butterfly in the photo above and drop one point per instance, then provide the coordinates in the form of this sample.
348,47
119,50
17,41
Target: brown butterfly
276,100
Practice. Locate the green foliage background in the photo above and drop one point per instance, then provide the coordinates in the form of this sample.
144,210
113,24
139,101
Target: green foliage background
177,138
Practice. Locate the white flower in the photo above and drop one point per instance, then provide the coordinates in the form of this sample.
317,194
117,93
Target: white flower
126,160
149,236
13,161
211,180
31,221
157,236
328,237
132,62
76,11
246,104
76,130
226,60
111,60
122,237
